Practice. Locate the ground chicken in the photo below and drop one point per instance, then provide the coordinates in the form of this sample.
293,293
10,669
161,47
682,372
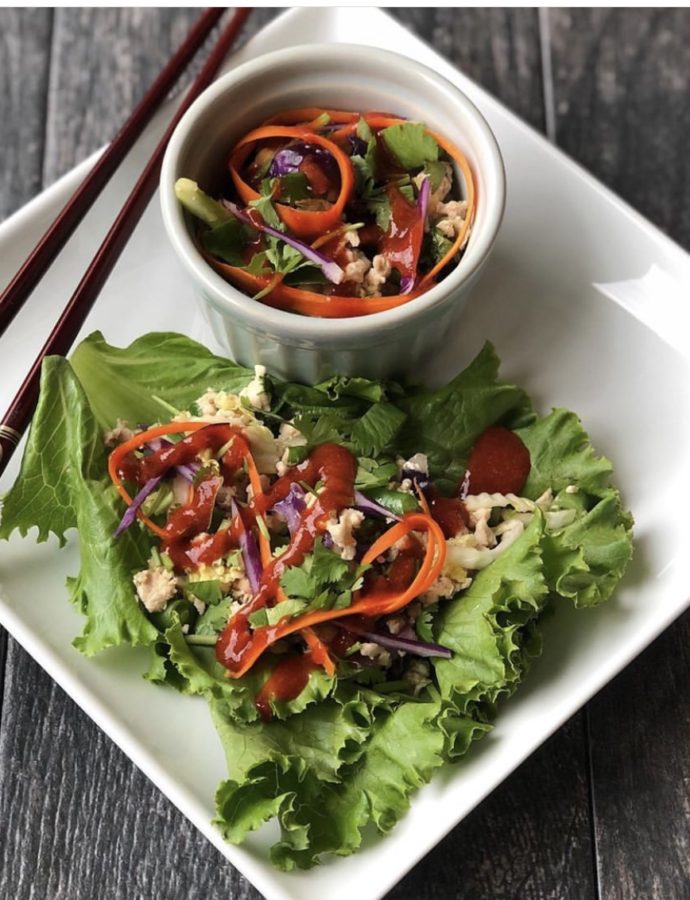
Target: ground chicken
453,216
357,266
442,589
376,276
342,532
155,587
119,434
377,653
256,392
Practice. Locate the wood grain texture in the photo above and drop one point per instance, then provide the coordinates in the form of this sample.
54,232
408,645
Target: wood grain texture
621,89
530,840
640,748
24,61
102,62
498,48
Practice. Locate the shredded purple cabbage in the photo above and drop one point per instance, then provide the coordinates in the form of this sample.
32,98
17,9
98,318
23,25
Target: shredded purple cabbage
423,198
292,507
330,269
359,147
406,645
250,554
186,470
131,514
288,160
365,505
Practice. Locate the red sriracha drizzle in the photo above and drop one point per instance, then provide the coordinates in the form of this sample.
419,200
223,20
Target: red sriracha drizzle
402,242
336,468
499,463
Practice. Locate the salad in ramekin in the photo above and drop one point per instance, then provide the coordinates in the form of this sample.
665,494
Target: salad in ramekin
333,213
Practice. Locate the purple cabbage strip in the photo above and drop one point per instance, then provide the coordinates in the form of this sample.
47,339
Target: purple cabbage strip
359,147
407,645
292,507
186,470
423,198
365,505
330,269
288,159
406,284
285,162
250,554
131,513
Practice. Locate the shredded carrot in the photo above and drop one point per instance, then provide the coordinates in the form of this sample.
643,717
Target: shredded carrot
429,571
134,443
303,223
319,651
309,303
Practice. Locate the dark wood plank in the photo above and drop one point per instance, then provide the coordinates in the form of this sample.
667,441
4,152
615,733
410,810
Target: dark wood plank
498,48
24,40
640,745
103,60
530,840
621,87
621,83
24,60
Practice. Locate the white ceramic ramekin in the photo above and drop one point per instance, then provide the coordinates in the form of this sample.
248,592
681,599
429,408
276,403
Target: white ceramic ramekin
339,76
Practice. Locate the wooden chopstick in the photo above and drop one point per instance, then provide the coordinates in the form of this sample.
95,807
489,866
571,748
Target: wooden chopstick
37,263
17,417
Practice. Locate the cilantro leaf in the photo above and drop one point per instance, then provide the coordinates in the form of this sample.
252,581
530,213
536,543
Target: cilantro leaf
273,614
410,143
323,581
227,241
207,591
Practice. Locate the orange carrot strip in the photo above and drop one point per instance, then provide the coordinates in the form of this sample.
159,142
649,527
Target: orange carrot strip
309,303
303,223
376,605
319,651
134,443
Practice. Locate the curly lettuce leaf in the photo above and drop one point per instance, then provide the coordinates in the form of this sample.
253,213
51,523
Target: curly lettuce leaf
325,774
195,670
60,487
273,766
445,423
483,626
124,382
585,560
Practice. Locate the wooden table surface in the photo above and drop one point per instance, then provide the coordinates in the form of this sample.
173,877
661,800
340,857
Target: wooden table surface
603,808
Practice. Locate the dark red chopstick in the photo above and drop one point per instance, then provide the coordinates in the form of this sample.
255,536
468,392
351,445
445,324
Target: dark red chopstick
34,268
17,417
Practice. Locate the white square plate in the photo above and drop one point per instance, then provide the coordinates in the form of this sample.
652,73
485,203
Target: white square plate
585,302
